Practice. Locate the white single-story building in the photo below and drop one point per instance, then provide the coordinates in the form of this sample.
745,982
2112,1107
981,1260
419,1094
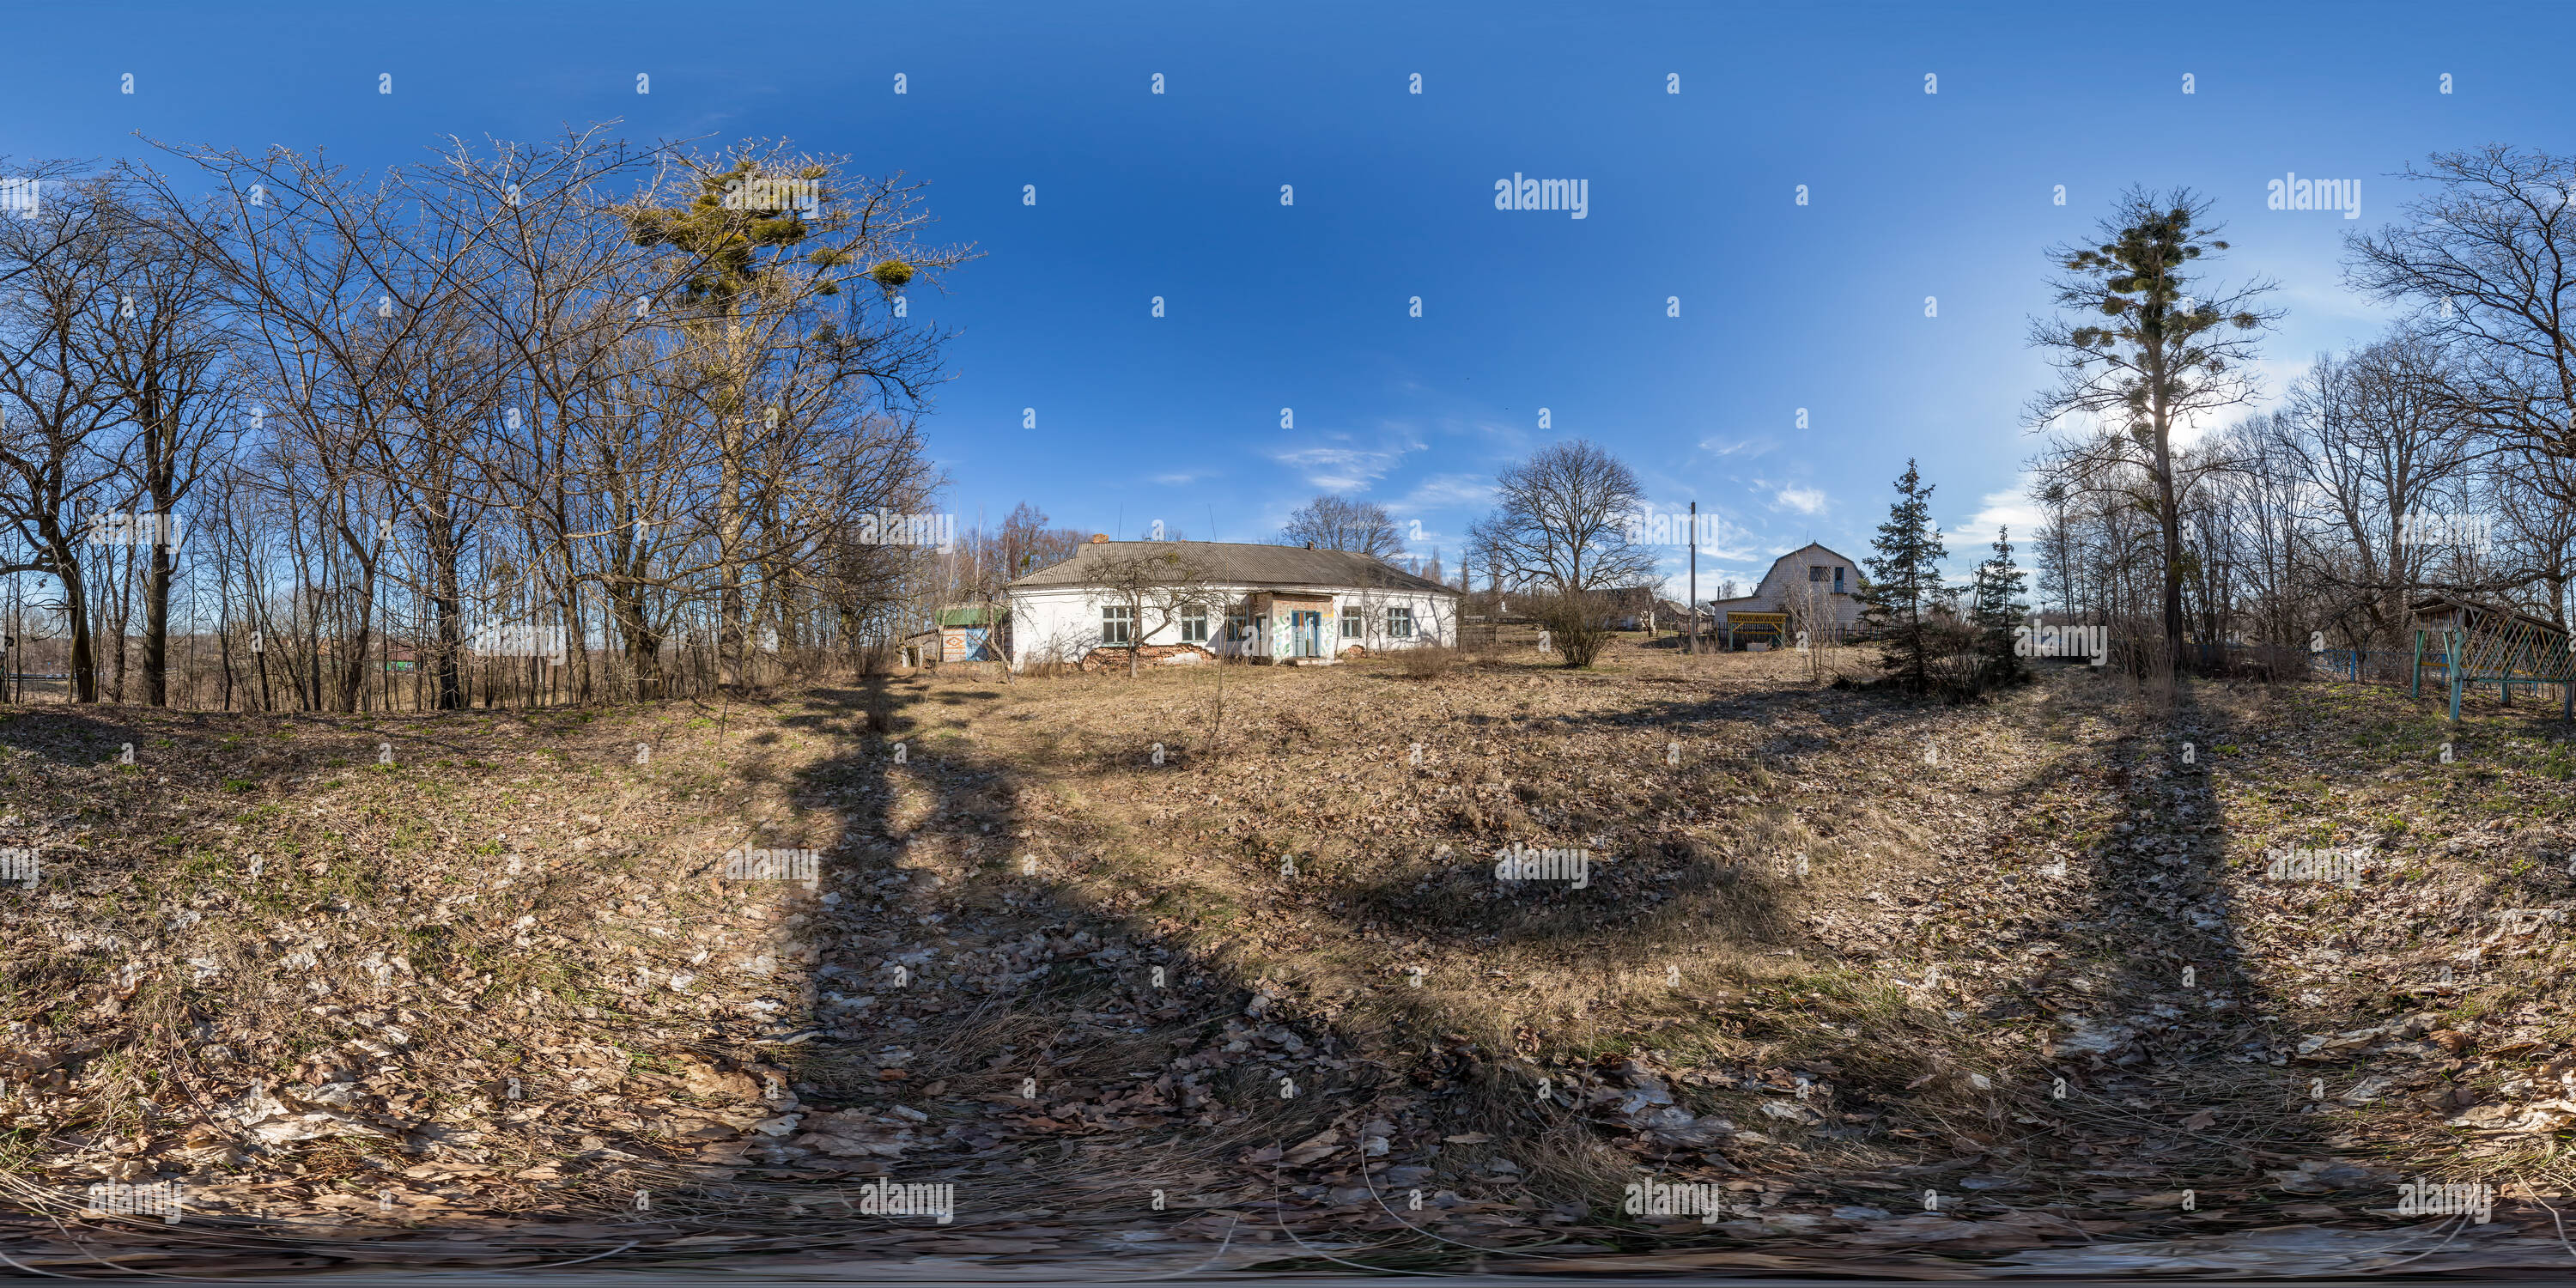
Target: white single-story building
1190,601
1809,584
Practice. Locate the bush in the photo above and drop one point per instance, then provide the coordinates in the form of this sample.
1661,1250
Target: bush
1578,625
1426,661
876,660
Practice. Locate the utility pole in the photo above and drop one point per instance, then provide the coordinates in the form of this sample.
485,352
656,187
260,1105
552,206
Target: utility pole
1690,643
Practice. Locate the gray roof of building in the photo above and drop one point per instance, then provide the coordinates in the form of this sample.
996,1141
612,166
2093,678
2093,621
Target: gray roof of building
1241,563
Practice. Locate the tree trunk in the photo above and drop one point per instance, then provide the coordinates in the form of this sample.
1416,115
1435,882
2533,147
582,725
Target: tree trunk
643,644
2172,521
115,614
84,667
446,604
156,628
729,526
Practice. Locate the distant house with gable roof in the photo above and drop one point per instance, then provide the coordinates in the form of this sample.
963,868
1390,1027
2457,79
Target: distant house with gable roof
1811,583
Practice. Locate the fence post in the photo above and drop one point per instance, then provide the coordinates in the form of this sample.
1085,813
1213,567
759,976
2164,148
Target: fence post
2416,689
2451,663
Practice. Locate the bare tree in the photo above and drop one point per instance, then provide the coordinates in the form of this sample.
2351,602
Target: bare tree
2149,348
767,239
1340,523
1028,544
2489,259
343,291
165,350
1561,528
58,406
1158,584
1815,627
2376,444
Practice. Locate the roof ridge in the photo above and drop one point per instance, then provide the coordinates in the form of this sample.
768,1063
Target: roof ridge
1253,563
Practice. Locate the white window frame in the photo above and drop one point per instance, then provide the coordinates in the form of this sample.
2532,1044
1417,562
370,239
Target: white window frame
1399,623
1194,623
1117,625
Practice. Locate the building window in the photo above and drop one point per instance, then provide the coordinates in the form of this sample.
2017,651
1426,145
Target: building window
1238,627
1353,622
1816,572
1118,624
1194,626
1399,623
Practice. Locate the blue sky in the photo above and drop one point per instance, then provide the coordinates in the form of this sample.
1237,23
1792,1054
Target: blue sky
1692,195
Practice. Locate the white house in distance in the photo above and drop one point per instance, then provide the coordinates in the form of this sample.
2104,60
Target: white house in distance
1283,605
1811,583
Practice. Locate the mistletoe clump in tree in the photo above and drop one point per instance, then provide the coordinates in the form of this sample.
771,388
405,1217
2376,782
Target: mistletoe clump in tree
760,244
2151,346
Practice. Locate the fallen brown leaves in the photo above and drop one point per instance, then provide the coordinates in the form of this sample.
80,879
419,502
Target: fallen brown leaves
1814,966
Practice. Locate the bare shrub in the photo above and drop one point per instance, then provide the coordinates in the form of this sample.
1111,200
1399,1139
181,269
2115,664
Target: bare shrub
1427,662
876,660
1577,624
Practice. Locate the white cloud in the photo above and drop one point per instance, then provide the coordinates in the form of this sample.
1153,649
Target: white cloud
1178,480
1747,448
1338,469
1441,490
2010,508
1349,468
1804,500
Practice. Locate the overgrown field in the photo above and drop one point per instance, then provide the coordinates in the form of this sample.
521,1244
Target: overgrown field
1220,958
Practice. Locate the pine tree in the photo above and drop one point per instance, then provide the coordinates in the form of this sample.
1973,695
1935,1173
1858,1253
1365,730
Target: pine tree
1996,612
1904,583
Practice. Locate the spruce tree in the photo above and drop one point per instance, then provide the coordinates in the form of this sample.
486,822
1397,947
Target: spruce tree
1997,610
1903,583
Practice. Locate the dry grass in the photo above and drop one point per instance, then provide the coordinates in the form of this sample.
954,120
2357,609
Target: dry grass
1315,858
1783,881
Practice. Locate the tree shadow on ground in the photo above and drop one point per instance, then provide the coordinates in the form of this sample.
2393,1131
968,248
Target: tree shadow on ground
1060,1043
1031,1042
2171,1077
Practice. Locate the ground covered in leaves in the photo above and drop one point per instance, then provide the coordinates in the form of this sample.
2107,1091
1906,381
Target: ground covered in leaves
1213,967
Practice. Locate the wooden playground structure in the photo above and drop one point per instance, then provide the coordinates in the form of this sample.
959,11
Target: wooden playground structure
2477,643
